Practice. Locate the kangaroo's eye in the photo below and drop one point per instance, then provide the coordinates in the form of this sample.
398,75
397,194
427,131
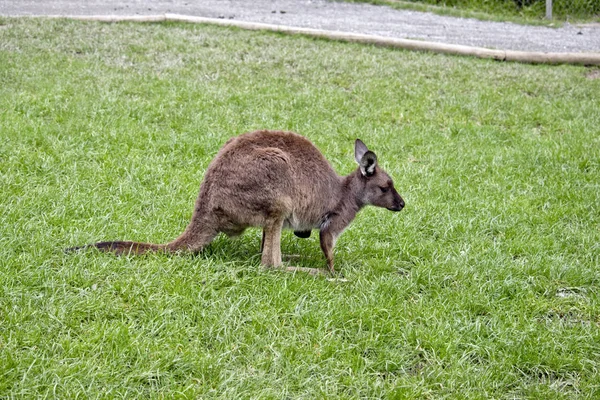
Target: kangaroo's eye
384,189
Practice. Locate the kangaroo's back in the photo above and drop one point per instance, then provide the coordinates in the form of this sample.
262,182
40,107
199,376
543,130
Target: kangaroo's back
303,158
264,170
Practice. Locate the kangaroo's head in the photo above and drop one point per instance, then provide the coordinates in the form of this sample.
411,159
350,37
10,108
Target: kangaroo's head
377,187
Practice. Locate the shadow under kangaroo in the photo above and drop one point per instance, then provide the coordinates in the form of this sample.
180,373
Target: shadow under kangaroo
276,180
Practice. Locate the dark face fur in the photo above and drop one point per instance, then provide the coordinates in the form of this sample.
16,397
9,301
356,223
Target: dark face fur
379,189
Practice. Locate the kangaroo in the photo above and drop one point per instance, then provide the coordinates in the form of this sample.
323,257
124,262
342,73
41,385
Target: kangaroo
276,180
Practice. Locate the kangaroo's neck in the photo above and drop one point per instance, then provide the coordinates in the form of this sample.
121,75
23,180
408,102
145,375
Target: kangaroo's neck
353,191
348,203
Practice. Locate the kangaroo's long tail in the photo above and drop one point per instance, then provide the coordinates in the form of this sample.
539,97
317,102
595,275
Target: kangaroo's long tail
123,247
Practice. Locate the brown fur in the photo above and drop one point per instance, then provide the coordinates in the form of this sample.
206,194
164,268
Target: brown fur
276,180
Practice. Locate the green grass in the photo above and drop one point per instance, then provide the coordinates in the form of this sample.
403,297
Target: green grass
485,286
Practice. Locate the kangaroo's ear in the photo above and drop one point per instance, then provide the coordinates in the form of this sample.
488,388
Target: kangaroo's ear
359,150
366,159
368,162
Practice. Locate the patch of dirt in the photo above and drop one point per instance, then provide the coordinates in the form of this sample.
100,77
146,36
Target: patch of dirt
593,74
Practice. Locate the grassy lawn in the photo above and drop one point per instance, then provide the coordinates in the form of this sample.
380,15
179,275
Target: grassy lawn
485,286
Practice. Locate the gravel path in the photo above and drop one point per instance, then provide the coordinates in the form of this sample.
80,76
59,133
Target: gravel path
322,14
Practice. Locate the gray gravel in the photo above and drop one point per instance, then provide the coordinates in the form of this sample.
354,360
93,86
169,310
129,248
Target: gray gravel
322,14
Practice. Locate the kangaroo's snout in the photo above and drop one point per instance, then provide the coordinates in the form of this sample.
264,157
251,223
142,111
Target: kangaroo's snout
398,204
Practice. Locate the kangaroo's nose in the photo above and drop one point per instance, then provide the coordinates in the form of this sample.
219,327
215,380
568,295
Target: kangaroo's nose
398,205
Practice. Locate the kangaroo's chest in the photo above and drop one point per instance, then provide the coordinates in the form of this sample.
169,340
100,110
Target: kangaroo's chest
300,222
297,224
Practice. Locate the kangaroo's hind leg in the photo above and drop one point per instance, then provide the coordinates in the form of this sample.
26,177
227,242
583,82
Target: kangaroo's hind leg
271,243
